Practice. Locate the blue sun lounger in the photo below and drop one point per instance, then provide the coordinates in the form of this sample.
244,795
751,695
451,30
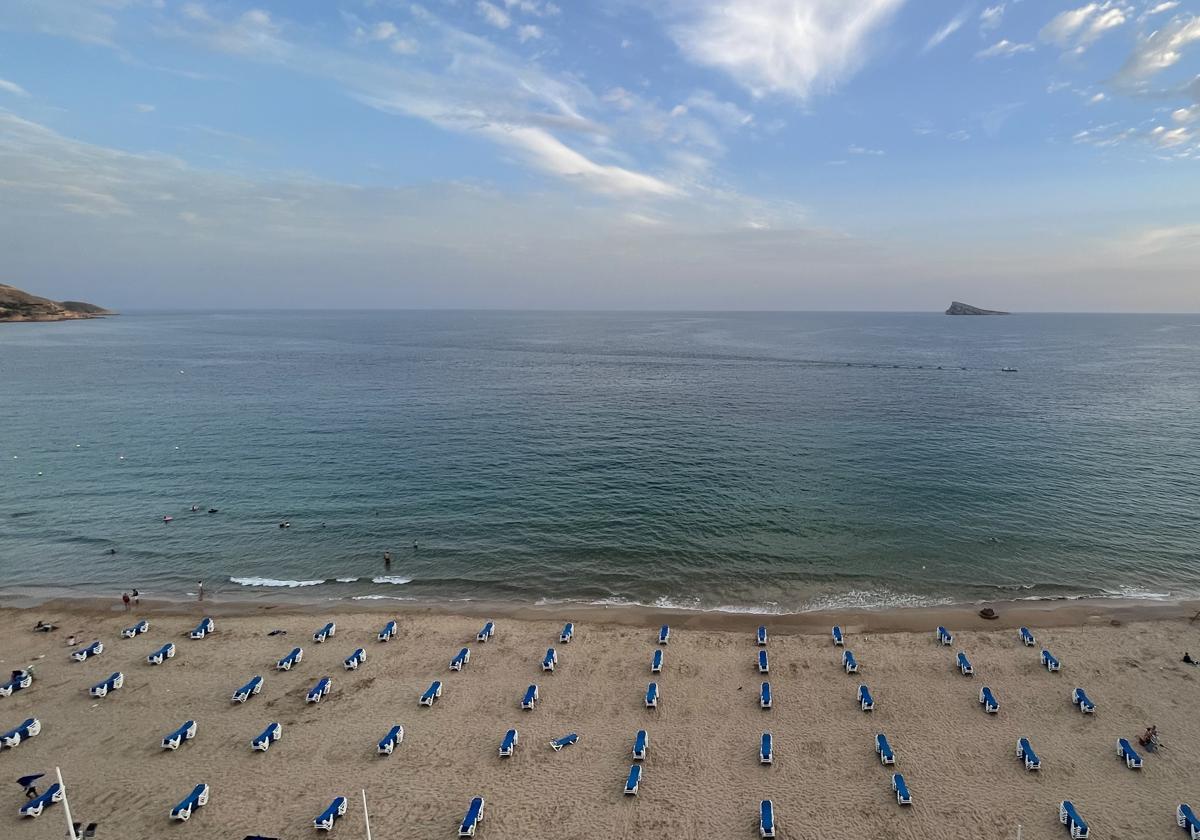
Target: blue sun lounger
269,736
103,688
508,744
766,749
94,649
763,666
1027,637
664,634
761,636
487,632
29,729
248,690
530,698
1185,817
565,741
319,691
388,632
633,780
291,659
184,733
335,811
903,797
550,659
884,749
136,630
17,683
473,818
1049,661
198,798
1068,816
326,632
964,665
1126,752
460,659
988,700
389,742
764,696
165,652
849,662
656,661
652,697
838,639
1028,757
432,693
1079,698
944,637
35,806
865,699
354,660
206,626
641,743
766,818
567,634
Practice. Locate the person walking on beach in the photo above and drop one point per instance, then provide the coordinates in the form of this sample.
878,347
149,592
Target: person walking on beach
387,560
137,598
125,600
199,590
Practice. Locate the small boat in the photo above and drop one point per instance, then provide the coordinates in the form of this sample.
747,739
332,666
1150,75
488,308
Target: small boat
1008,370
168,519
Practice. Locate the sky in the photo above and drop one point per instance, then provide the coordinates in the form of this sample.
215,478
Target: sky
602,154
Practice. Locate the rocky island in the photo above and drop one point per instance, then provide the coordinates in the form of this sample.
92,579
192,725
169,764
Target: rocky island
957,308
16,305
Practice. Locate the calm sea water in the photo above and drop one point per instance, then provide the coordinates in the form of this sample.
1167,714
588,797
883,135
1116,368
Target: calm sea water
768,461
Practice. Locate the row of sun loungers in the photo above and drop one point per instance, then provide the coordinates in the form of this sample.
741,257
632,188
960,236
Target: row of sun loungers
186,732
269,736
136,630
198,798
14,737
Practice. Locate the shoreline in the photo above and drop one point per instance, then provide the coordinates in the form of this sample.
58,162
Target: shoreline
1010,614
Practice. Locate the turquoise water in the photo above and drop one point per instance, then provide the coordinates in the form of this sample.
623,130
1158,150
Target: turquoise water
740,461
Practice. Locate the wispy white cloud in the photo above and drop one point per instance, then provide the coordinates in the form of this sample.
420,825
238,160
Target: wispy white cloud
1190,114
1169,138
144,107
1158,8
991,17
493,14
537,8
1079,28
951,26
528,32
791,47
12,87
1004,48
1159,50
862,150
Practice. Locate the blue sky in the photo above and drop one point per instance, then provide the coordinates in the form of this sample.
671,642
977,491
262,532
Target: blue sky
799,154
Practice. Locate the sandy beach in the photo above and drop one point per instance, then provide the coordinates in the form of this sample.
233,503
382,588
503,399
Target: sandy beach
702,778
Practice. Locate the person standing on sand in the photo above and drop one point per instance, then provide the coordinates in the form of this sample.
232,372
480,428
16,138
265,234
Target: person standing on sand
199,590
387,560
125,600
137,598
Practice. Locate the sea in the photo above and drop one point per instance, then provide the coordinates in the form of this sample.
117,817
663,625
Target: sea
758,462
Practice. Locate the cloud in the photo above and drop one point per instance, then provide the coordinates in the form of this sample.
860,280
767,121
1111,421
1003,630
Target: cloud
494,15
12,87
991,17
952,26
537,8
1168,138
89,21
1097,98
528,31
144,107
1079,28
795,48
1186,115
1004,48
1158,51
1158,9
1153,241
385,30
860,150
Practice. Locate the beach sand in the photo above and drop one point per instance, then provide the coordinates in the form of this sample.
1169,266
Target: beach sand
702,778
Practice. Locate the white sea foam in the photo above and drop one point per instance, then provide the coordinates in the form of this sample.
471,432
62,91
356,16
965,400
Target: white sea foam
381,598
273,584
346,579
398,581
